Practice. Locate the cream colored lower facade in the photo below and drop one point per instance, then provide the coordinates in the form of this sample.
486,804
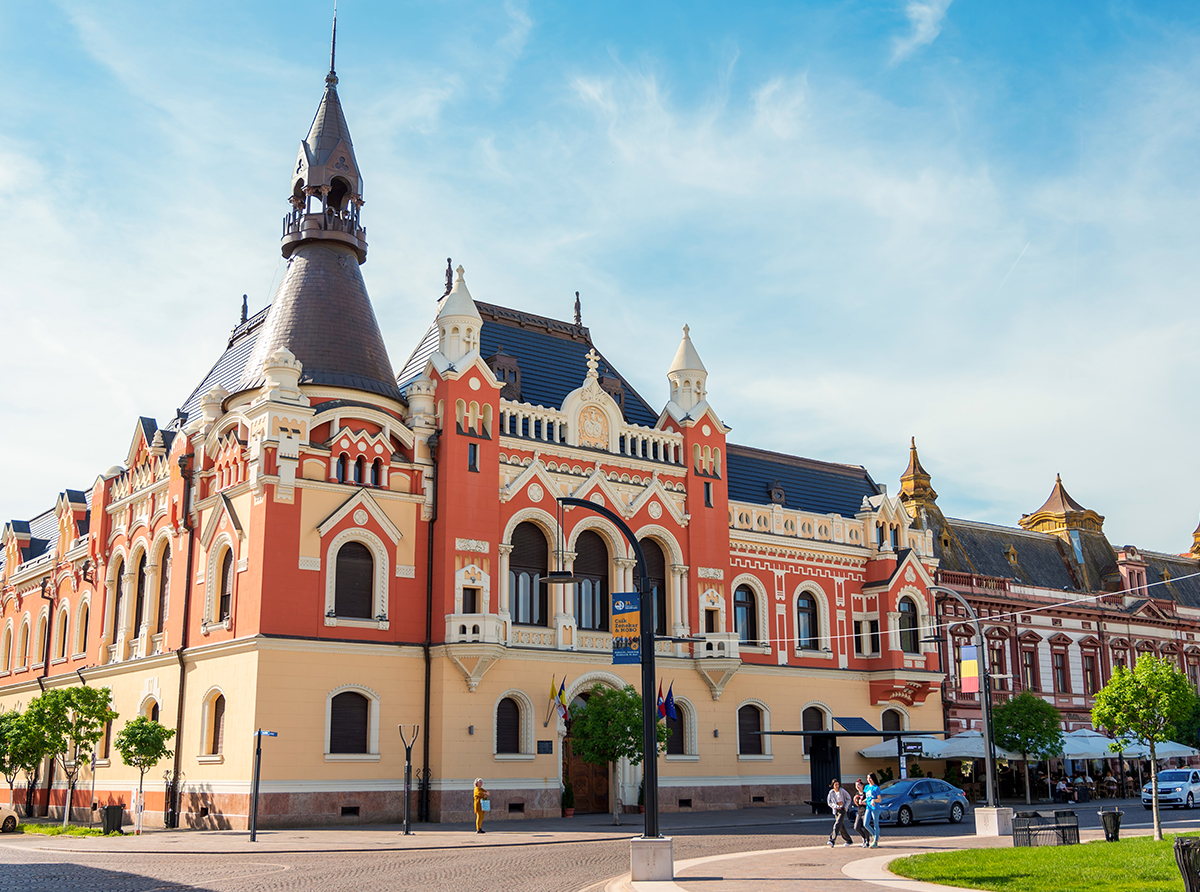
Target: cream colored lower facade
285,685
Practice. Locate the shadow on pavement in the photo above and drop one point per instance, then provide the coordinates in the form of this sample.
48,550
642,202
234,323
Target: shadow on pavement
27,877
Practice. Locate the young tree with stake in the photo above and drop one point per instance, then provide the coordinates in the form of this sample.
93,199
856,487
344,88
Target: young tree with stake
73,721
142,743
1144,703
1028,725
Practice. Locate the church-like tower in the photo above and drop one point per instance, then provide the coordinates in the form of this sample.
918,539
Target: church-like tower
321,312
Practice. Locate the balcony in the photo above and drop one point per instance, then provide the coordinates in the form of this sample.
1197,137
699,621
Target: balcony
474,628
982,584
718,645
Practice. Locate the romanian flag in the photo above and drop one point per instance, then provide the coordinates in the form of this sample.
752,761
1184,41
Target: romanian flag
968,669
561,700
669,705
662,706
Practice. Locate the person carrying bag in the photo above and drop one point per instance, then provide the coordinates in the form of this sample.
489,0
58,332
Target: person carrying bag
838,801
482,804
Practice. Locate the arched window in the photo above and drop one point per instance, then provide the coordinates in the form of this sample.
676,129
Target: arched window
140,602
812,719
360,470
226,585
892,720
508,726
677,742
526,568
807,632
355,582
656,582
349,723
377,472
6,651
81,629
216,726
150,710
40,644
749,725
60,646
908,627
164,588
591,595
118,600
745,614
23,645
341,468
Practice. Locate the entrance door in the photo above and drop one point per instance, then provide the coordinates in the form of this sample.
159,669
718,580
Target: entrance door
589,781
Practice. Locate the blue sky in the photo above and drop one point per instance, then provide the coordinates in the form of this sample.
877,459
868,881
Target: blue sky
973,223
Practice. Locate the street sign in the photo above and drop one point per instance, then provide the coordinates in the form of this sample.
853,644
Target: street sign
268,733
913,746
627,628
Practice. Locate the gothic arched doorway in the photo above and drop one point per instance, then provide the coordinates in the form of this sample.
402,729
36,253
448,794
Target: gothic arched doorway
590,781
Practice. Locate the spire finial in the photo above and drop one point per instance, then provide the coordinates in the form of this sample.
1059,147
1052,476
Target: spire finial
593,360
686,329
245,307
913,443
331,78
460,272
1058,479
449,277
578,310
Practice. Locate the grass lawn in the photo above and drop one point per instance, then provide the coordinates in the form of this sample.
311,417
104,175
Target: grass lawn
1137,864
57,830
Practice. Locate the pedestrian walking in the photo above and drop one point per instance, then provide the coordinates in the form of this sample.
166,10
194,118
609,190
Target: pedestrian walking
873,797
838,801
482,804
860,812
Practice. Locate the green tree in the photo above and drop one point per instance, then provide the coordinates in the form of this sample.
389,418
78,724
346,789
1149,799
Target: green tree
1144,704
608,727
73,721
1187,729
10,730
142,743
1028,725
25,746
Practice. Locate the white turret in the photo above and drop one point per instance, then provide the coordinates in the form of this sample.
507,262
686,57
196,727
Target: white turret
688,376
458,322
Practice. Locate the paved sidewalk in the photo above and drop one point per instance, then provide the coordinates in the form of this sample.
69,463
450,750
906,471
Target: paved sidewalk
817,868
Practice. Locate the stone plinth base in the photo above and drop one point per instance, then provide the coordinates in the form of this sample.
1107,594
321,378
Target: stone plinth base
651,860
993,821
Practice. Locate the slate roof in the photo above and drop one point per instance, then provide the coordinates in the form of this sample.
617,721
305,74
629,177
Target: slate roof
808,484
552,356
227,371
980,548
1184,591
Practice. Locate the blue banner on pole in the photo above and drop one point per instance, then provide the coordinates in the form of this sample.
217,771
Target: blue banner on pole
627,628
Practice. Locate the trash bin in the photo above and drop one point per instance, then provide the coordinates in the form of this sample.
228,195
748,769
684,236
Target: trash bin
111,817
1187,856
1112,824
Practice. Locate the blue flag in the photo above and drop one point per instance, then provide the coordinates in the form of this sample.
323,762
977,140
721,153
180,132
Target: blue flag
669,705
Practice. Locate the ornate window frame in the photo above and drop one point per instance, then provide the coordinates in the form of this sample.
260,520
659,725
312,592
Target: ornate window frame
380,596
79,648
206,722
526,751
212,583
373,709
824,650
762,605
765,713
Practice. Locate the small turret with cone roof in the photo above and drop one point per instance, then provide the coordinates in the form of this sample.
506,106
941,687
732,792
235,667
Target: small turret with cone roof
458,321
1060,513
326,187
915,489
688,376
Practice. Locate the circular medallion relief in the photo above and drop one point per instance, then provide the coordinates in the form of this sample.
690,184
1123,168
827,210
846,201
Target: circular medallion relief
379,449
360,517
473,383
345,443
535,492
654,510
706,430
596,499
362,445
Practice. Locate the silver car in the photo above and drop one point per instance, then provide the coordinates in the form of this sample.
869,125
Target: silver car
8,820
1179,787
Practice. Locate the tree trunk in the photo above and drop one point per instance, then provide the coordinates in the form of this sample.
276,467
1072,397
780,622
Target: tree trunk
1028,792
31,780
67,806
612,793
141,779
1154,792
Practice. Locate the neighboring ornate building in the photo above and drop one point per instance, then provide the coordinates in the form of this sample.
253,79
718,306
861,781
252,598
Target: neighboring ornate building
1060,606
320,547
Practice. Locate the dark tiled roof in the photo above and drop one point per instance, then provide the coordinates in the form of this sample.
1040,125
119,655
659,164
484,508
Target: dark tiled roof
323,315
227,371
552,356
808,485
1178,575
981,548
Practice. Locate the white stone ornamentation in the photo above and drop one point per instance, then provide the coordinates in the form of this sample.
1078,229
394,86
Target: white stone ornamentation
478,546
535,492
361,517
654,509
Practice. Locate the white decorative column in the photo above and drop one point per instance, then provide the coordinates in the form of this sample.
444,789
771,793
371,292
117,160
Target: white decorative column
893,629
678,626
566,624
682,569
124,620
505,612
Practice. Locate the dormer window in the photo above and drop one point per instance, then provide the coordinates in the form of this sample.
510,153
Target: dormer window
778,496
614,387
508,372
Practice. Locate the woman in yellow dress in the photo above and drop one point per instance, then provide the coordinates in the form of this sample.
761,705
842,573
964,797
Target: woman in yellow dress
480,796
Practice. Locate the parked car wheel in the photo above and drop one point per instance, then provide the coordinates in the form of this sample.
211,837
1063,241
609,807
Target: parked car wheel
905,818
956,813
9,825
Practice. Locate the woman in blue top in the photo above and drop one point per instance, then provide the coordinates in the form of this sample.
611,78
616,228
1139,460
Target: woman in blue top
873,799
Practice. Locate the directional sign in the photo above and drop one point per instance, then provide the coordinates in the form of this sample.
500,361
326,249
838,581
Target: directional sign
267,733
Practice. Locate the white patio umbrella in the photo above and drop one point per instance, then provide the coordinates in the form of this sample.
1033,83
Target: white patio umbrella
1085,743
1168,749
970,745
887,749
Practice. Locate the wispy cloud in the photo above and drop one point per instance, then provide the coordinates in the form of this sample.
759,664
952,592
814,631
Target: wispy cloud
925,20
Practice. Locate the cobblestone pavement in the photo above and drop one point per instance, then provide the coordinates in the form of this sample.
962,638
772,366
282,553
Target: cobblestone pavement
569,863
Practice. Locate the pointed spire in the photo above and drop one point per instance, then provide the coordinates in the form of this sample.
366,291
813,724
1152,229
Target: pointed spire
245,307
1060,512
458,321
686,358
331,78
916,493
578,310
449,277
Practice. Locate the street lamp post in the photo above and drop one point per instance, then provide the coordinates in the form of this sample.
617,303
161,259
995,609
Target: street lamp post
408,747
258,736
989,752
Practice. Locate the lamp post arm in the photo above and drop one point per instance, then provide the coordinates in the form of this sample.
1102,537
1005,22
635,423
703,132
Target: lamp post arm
985,690
646,646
